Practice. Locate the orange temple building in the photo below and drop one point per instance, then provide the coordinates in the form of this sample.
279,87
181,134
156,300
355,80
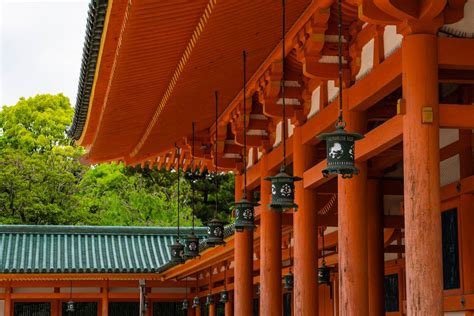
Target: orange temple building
398,237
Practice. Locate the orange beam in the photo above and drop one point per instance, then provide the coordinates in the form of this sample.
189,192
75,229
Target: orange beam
456,116
455,53
381,81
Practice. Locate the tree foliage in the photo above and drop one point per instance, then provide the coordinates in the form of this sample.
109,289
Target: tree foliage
43,182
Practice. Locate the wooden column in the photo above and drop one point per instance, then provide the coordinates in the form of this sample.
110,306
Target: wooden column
228,307
421,175
212,309
375,248
55,308
8,307
105,300
243,264
352,231
270,249
305,233
197,311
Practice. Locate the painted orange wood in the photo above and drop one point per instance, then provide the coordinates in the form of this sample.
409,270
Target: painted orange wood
352,232
375,236
456,116
270,250
304,232
421,177
243,264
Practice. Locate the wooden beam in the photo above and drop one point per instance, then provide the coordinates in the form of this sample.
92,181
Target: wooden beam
456,116
380,82
455,53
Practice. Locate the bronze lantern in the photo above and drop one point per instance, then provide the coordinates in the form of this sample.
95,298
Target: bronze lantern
185,305
288,281
283,190
191,249
244,215
215,232
224,297
70,308
324,274
177,252
209,299
196,302
340,148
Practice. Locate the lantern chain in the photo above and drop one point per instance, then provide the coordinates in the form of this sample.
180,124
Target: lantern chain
178,172
215,153
245,125
339,58
283,75
192,179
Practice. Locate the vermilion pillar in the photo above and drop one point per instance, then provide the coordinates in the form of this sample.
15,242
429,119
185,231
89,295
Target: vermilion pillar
305,234
105,300
270,250
212,309
375,248
228,307
243,264
352,232
7,308
421,175
197,311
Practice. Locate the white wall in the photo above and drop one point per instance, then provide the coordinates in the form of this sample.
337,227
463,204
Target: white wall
2,307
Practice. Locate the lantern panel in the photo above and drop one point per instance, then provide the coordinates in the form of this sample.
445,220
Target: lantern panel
289,281
324,275
196,302
70,307
224,297
209,299
185,305
244,215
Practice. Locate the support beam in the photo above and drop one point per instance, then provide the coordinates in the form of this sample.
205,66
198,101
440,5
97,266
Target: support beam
270,250
305,233
421,173
243,264
456,116
375,236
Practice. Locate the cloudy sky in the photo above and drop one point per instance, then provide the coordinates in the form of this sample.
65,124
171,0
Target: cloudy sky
40,47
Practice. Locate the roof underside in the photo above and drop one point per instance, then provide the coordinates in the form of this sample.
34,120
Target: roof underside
72,249
160,64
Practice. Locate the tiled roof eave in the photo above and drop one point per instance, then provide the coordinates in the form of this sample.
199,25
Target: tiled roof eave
90,54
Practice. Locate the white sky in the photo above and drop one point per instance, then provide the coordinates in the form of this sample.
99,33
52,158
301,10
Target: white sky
40,47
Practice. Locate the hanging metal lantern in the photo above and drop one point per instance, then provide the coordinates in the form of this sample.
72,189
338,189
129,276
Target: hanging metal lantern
209,299
288,281
283,190
185,305
258,290
191,249
215,232
177,252
224,297
196,302
70,308
340,147
324,274
244,215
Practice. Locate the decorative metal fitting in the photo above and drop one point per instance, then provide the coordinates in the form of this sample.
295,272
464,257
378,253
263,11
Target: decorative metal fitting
196,302
191,249
324,274
244,215
289,281
283,190
215,232
224,297
340,149
177,252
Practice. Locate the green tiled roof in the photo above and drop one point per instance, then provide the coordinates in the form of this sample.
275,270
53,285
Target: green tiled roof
85,249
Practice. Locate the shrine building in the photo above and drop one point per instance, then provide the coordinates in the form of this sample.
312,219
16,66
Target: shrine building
390,233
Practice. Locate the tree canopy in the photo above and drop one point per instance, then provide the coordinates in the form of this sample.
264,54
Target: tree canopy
43,182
